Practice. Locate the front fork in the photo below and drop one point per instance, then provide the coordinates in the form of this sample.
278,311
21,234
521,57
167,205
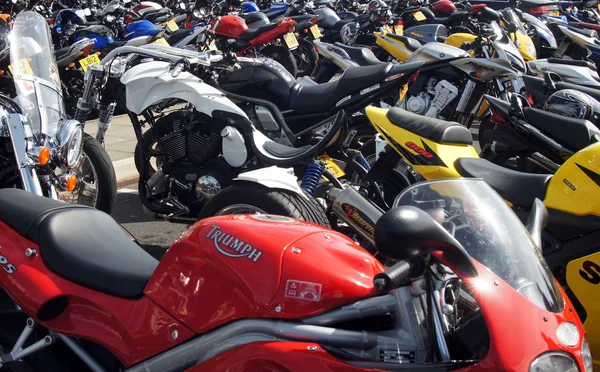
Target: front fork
16,130
88,101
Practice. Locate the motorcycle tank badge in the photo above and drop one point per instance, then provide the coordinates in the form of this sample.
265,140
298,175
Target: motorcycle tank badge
231,246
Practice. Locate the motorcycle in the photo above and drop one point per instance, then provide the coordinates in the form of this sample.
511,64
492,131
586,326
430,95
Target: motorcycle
42,151
432,308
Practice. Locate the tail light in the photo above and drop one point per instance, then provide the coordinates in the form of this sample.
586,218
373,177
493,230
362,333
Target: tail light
399,23
86,50
540,10
529,98
316,49
413,77
315,20
496,117
291,28
128,18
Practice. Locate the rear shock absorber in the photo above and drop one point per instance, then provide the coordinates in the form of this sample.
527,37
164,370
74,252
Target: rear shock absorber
312,176
361,160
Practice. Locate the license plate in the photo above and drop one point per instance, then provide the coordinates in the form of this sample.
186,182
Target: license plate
161,41
89,60
331,166
23,67
598,6
212,46
172,25
316,33
419,16
553,13
399,30
387,29
290,40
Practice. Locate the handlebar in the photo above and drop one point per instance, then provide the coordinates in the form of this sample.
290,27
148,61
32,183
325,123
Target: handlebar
395,275
163,52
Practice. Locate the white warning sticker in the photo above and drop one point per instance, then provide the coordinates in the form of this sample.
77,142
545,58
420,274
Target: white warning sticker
303,290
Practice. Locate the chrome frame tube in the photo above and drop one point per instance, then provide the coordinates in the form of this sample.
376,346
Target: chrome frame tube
27,171
81,353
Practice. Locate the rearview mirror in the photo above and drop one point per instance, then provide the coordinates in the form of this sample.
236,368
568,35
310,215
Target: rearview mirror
489,14
406,231
537,221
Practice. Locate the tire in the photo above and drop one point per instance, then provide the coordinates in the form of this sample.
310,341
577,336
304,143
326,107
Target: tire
270,201
283,56
306,57
106,182
137,153
484,124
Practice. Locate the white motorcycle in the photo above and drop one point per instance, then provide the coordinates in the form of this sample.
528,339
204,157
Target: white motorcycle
189,154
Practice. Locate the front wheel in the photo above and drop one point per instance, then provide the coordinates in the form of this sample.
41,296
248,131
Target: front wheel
253,198
306,57
283,56
98,184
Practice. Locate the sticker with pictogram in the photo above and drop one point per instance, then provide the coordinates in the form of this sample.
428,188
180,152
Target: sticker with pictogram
303,290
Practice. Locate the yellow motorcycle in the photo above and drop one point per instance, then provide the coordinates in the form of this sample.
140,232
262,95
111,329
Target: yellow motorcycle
436,149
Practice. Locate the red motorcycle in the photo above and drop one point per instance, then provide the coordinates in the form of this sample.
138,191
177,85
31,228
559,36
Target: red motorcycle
469,291
231,33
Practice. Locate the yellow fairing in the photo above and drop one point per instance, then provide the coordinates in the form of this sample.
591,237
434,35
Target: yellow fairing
394,47
435,160
583,278
525,45
458,39
574,188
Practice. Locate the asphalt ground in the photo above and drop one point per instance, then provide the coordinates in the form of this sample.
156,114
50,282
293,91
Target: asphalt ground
154,235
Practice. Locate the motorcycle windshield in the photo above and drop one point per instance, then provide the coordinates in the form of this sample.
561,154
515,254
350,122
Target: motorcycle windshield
512,17
490,232
35,73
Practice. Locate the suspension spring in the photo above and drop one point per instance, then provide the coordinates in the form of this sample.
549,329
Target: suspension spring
362,161
311,177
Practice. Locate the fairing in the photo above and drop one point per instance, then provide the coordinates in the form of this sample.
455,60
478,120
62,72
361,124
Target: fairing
149,83
231,26
205,283
427,33
433,52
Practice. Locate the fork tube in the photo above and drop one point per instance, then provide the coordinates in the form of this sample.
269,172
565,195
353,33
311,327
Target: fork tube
29,176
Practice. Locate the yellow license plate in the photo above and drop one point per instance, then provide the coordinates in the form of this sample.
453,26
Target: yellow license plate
598,6
161,41
331,166
22,68
419,16
399,30
316,33
89,60
554,13
290,40
172,25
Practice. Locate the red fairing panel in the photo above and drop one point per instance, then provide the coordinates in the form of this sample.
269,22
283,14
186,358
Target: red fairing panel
519,330
234,267
231,26
133,330
276,356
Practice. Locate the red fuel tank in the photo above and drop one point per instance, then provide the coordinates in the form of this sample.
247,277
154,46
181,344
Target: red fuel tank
233,267
231,26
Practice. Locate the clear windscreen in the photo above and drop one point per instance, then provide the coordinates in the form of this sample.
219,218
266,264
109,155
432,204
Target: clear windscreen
490,232
512,17
35,73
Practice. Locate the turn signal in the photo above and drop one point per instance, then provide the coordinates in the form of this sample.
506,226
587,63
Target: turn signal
71,65
71,183
44,156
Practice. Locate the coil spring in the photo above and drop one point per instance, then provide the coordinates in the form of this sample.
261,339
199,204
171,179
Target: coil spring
81,115
106,113
362,161
311,177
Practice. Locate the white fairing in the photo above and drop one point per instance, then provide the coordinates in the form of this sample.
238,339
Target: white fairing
234,147
576,37
151,6
274,178
149,83
569,73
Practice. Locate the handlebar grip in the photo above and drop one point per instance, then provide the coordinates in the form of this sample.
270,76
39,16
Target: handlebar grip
393,276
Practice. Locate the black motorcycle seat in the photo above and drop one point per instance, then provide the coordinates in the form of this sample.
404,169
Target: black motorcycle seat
283,151
594,92
363,56
572,62
62,52
409,42
440,131
177,36
252,33
519,188
302,18
79,243
584,31
323,97
574,134
452,17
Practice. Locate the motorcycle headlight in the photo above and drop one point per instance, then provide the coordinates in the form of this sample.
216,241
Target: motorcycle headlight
554,361
587,356
70,141
568,334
